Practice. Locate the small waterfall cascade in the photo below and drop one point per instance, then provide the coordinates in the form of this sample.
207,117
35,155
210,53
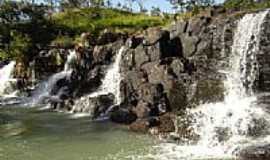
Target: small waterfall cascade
71,60
43,91
110,83
6,74
226,127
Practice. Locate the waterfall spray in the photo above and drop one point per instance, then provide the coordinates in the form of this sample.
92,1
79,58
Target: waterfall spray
226,127
6,77
110,84
44,89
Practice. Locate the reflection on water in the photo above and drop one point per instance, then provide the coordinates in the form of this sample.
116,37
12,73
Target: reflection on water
29,134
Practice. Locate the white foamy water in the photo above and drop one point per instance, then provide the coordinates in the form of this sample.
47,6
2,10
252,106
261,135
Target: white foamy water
43,91
110,84
71,60
225,128
6,74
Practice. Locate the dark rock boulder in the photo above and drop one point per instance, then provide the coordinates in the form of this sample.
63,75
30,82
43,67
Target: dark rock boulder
123,116
109,37
141,57
143,125
255,153
177,96
134,41
103,54
153,35
177,67
142,110
190,44
207,91
178,28
140,126
166,123
95,106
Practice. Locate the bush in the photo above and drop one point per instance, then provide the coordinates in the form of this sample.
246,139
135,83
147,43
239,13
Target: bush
95,20
246,4
63,41
18,47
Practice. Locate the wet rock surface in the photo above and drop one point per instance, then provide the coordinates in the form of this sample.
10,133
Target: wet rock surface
255,153
163,70
95,106
176,68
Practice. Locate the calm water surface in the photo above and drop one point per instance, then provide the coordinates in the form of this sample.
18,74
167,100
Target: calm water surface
30,134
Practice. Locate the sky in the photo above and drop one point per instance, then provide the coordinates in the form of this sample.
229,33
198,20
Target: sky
164,5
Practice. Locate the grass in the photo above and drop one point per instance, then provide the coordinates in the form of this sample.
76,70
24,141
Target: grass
95,20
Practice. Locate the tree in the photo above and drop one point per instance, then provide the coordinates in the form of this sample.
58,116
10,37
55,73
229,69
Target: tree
155,11
108,3
9,12
140,4
81,3
189,5
240,3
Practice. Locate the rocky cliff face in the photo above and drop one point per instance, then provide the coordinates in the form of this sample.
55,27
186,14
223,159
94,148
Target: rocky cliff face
165,71
170,70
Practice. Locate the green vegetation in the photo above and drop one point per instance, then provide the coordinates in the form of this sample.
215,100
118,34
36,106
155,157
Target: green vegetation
19,43
26,27
246,4
95,20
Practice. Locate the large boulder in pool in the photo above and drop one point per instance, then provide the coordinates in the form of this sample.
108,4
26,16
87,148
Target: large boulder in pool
123,116
95,106
255,153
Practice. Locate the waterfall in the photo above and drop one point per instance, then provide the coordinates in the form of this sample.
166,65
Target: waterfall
6,77
237,113
110,84
44,89
71,60
226,127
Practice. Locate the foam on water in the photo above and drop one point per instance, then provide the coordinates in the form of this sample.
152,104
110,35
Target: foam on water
226,127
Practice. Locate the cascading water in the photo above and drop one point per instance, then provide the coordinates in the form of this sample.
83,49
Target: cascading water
110,83
6,77
71,60
43,91
225,128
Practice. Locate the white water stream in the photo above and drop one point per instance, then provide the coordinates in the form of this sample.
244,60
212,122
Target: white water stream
6,74
44,89
225,128
110,83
